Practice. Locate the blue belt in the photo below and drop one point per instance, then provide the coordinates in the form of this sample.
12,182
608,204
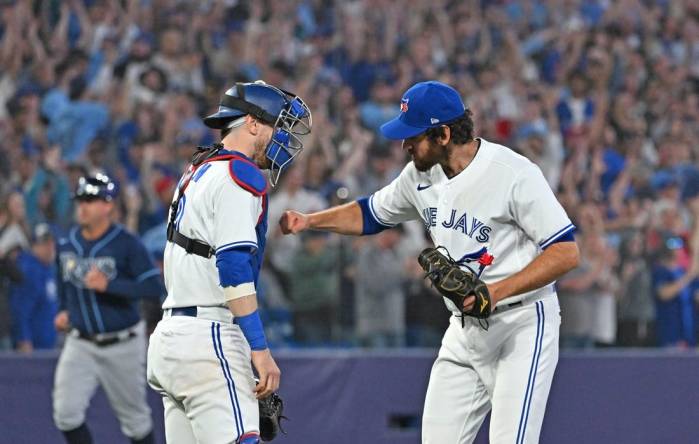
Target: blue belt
189,311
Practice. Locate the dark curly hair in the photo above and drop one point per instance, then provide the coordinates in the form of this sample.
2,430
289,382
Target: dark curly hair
461,129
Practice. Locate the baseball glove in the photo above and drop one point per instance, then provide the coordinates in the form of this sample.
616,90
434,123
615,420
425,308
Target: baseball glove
271,414
454,283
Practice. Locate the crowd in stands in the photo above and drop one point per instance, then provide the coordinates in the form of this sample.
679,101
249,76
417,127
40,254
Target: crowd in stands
602,95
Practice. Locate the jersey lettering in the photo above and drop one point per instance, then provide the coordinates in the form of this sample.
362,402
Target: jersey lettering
484,234
430,217
180,211
74,268
462,224
200,172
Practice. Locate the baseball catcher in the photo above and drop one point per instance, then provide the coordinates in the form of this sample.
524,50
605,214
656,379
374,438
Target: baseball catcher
455,284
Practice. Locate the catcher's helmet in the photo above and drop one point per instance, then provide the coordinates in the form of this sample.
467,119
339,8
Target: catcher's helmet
284,111
97,187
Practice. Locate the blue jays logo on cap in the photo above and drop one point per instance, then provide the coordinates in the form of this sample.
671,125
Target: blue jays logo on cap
432,104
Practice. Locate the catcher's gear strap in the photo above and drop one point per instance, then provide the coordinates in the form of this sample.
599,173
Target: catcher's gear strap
247,107
246,175
191,246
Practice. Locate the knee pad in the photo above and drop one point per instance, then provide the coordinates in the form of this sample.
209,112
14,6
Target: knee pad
249,438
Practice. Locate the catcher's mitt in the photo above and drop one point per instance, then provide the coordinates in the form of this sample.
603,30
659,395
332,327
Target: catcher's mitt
271,414
455,284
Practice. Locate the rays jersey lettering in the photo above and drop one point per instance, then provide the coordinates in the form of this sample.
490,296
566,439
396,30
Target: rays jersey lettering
74,268
500,206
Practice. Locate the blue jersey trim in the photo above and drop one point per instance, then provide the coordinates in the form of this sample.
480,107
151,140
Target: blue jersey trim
529,392
375,215
230,376
217,347
96,310
238,244
81,301
150,273
93,251
107,239
566,237
559,233
536,368
370,223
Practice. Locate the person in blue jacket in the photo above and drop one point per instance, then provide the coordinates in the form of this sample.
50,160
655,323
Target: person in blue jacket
33,300
674,296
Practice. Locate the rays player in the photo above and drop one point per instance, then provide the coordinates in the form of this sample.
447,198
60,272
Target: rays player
200,353
103,272
492,209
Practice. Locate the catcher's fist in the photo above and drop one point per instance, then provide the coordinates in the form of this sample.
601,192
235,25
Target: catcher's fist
293,222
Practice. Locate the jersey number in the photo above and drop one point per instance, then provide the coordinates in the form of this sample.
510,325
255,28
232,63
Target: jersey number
180,212
183,201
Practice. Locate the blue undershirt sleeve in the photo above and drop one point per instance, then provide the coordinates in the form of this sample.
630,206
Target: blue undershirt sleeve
370,225
234,267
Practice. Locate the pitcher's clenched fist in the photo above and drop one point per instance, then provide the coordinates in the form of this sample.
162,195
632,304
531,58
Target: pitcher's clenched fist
293,222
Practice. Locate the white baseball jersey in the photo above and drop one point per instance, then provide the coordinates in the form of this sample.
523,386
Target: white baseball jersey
499,206
217,211
198,358
501,203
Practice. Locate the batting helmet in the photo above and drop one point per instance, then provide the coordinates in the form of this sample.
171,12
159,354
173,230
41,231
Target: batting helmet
97,187
284,111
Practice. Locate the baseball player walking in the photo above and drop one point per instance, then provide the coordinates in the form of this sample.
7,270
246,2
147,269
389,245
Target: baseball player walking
493,210
103,272
200,353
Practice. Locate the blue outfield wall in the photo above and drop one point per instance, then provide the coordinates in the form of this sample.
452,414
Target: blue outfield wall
351,396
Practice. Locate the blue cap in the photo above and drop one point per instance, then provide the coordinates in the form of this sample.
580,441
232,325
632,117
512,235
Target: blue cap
663,179
42,232
674,243
425,105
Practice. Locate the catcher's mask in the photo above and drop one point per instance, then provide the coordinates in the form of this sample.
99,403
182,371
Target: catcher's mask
288,115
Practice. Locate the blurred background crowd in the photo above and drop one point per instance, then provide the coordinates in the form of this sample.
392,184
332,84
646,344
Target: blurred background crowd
602,95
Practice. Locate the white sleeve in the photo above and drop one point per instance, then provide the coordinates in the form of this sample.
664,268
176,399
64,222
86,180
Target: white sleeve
536,209
391,204
235,216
